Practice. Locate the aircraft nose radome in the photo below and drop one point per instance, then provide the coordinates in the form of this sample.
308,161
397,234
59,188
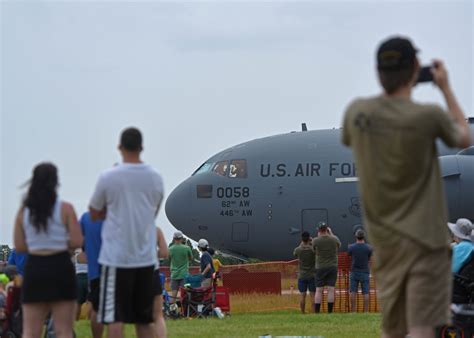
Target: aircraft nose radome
178,207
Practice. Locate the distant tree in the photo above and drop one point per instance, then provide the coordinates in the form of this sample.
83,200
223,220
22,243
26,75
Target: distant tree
255,260
227,260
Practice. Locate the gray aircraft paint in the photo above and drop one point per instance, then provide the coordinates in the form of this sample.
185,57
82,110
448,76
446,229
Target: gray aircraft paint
293,181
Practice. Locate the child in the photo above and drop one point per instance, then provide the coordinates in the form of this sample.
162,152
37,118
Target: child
215,261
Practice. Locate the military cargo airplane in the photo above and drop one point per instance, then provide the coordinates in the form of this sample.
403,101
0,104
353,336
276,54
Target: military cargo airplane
255,199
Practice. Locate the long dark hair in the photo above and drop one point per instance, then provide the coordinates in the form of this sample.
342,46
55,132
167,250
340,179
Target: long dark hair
42,195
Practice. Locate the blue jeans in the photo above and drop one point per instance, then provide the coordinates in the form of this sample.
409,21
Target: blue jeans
361,278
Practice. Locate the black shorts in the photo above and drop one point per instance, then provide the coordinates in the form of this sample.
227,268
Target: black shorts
126,295
326,277
49,278
94,293
157,287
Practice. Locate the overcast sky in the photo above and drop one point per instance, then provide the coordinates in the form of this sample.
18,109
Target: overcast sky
195,77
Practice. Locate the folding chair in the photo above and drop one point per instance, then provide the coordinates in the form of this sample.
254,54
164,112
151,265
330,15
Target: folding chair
200,301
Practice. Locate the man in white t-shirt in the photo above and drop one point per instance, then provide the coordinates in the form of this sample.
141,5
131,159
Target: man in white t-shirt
129,196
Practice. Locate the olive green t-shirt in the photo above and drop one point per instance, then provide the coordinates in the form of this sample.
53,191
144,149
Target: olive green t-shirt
326,248
305,254
393,141
179,254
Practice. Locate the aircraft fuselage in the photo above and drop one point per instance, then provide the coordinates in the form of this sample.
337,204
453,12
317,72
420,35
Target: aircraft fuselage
256,198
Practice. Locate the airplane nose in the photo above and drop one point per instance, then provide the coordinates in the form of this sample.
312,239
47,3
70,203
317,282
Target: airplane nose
178,206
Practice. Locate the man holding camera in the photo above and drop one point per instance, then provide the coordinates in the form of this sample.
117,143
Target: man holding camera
325,247
393,140
360,252
306,269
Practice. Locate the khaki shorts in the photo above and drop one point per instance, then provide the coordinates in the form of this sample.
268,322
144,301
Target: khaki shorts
414,286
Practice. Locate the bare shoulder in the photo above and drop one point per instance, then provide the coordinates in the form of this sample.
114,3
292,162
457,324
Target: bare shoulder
66,208
19,214
66,205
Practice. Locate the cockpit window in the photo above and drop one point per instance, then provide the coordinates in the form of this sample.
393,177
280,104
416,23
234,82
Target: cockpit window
221,168
238,169
204,168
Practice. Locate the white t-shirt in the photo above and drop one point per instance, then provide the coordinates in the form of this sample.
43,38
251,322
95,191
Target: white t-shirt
132,194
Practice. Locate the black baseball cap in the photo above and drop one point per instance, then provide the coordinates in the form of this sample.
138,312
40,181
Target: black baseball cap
322,225
396,53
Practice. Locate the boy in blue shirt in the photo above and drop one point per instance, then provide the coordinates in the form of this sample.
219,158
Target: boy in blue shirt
91,231
207,267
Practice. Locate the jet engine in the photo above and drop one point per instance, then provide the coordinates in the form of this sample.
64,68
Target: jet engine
458,175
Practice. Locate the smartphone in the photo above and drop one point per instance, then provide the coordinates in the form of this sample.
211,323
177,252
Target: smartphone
425,75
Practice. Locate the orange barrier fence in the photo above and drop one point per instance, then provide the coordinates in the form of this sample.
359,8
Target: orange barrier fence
281,277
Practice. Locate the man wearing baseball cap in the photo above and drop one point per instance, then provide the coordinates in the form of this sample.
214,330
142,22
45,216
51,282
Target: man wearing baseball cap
325,247
360,252
306,269
393,142
207,267
180,255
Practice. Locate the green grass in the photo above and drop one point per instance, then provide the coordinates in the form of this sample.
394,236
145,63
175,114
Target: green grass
281,323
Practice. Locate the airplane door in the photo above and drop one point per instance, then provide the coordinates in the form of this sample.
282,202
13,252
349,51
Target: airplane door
240,232
310,219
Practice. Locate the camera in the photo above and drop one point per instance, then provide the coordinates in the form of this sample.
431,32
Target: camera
425,74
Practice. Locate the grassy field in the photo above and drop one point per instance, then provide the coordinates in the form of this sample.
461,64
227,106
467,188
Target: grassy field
279,323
